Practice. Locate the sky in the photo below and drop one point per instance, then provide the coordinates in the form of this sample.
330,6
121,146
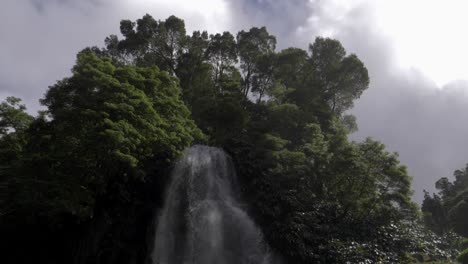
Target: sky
415,51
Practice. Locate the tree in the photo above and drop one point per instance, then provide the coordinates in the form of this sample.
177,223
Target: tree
332,76
193,67
148,42
255,49
390,180
263,81
463,257
13,116
14,123
350,123
448,210
434,214
108,126
222,53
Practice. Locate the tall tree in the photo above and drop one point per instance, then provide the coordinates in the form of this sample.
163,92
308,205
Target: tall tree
254,45
263,80
14,123
332,76
148,42
434,214
449,209
222,53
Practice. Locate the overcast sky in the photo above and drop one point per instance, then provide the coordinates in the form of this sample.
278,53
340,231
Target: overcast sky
415,51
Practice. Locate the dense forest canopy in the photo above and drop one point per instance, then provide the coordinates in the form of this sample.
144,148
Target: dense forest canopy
83,177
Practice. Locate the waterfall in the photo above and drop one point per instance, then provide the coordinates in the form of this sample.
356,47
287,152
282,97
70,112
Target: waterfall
202,221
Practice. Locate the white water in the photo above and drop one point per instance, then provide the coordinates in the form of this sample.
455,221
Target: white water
202,221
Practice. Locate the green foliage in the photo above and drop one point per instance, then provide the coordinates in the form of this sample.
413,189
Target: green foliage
393,196
310,186
330,76
398,243
349,122
148,41
13,116
14,122
256,52
434,214
463,257
123,117
222,54
464,243
449,209
432,246
106,126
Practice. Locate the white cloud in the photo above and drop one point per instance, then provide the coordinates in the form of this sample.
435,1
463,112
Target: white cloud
428,35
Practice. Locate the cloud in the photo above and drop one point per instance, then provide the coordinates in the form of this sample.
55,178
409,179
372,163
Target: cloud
282,18
42,5
424,124
40,40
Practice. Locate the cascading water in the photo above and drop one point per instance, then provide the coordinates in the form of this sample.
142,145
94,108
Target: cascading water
202,221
